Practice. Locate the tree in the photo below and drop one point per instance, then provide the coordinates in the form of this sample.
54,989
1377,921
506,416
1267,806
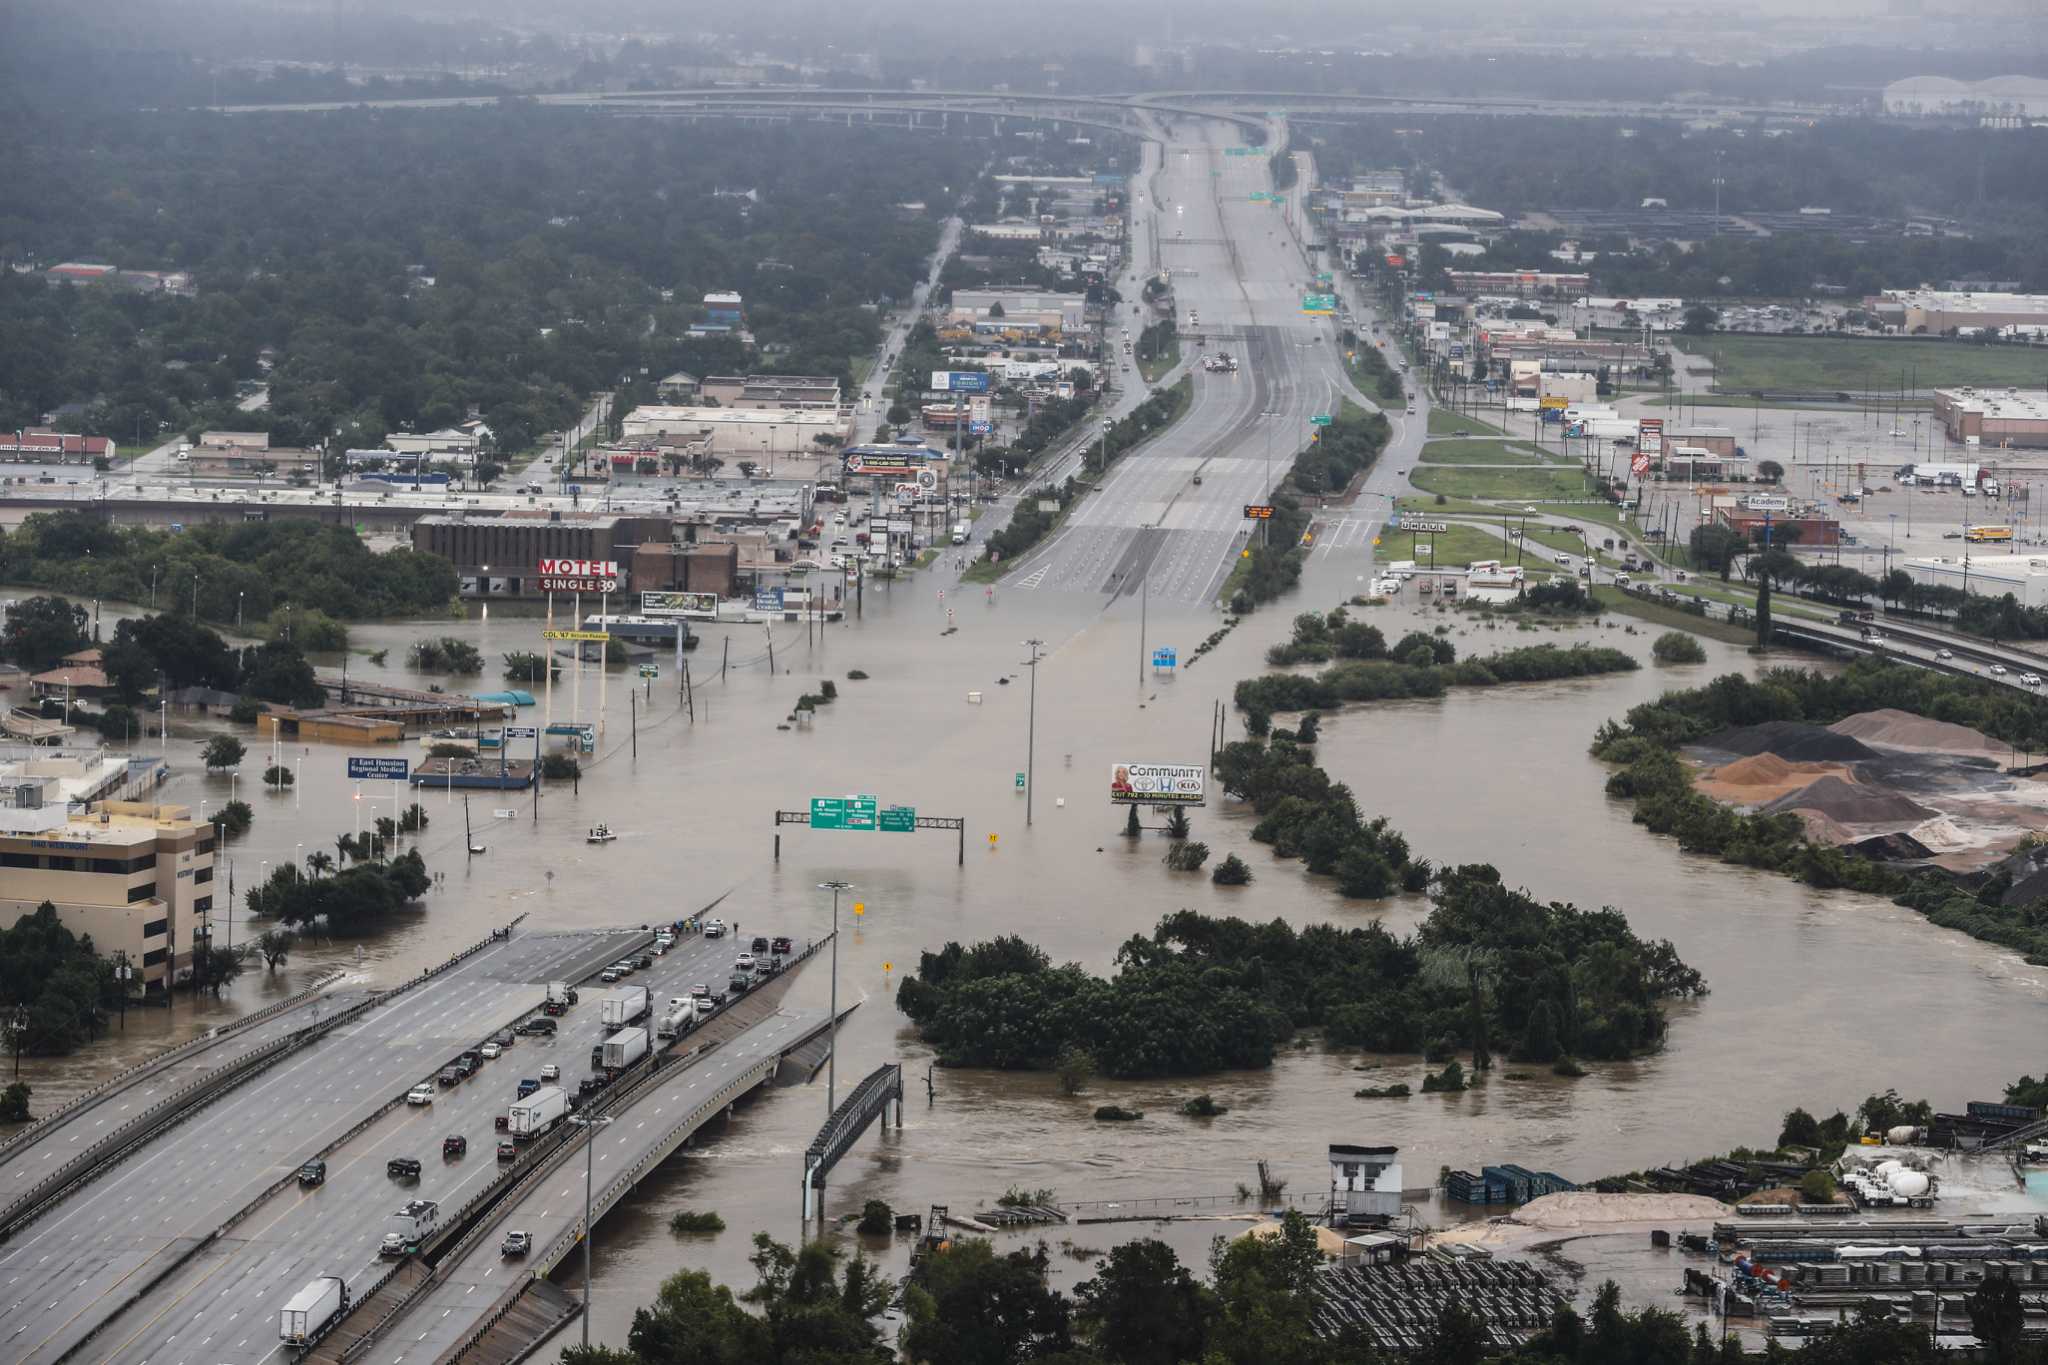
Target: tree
560,767
1699,320
1998,1318
1897,586
215,968
275,945
1075,1068
487,473
1817,1187
877,1219
279,671
1715,548
1770,471
234,819
40,631
1800,1129
1539,1036
972,1306
319,862
1143,1307
222,751
246,711
278,776
1763,613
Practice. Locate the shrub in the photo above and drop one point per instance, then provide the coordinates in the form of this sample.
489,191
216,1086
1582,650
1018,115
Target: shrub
222,751
1187,856
1397,1091
687,1222
1203,1106
279,776
560,767
1232,871
1076,1065
856,675
1113,1113
877,1219
1817,1187
246,711
1677,647
1451,1078
14,1103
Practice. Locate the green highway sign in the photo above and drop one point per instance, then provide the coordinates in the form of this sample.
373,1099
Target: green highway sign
898,819
1020,782
1237,151
1323,278
1260,196
843,812
650,670
1321,419
1318,303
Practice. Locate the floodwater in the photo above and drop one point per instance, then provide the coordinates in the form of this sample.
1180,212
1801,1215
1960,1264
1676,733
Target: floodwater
1817,998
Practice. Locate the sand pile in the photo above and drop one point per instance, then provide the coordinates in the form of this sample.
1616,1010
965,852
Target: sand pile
1848,804
1943,835
1790,740
1763,778
1585,1208
1904,730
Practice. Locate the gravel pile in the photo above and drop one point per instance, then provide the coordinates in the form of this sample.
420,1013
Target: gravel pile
1845,803
1903,730
1790,740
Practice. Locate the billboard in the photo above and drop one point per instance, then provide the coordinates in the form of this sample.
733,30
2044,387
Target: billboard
1651,441
579,575
698,606
883,462
1157,784
378,769
960,381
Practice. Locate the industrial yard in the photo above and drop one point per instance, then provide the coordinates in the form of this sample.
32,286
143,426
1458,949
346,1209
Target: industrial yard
1893,785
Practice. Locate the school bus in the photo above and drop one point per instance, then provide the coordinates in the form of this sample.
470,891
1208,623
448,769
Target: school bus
1981,534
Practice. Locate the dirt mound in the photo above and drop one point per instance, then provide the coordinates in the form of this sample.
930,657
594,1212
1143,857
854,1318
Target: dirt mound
1583,1208
1903,730
1763,778
1790,740
1848,804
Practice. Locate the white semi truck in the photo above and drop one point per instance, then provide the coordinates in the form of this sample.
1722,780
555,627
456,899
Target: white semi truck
313,1310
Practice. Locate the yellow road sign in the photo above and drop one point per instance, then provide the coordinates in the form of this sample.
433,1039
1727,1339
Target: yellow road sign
598,635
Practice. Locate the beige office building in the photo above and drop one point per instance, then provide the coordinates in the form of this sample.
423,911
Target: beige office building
135,876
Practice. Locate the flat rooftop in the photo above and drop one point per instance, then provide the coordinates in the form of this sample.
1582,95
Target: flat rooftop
2025,405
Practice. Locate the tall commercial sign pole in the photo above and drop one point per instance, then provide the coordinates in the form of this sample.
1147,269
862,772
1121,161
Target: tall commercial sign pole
547,670
1031,734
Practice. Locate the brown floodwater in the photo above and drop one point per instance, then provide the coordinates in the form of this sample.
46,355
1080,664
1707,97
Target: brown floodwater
1818,998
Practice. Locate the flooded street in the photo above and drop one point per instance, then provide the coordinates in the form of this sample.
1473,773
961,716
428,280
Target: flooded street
1841,982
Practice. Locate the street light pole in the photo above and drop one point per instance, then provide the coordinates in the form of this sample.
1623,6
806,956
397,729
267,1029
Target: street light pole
590,1127
1031,732
832,1054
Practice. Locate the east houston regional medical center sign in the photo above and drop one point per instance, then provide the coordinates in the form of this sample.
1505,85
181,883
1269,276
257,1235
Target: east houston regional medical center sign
1157,784
579,575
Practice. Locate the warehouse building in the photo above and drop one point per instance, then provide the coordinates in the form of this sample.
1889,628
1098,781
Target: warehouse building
1934,311
1011,309
2024,576
1995,417
741,432
770,390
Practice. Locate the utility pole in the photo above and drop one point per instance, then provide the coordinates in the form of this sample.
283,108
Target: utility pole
832,1055
1031,732
590,1127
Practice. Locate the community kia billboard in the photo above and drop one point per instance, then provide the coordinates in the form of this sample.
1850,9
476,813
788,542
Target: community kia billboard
1157,784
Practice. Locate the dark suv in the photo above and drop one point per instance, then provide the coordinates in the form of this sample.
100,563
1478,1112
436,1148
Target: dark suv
403,1168
313,1173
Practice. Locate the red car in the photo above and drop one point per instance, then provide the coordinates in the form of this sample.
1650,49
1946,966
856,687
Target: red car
455,1145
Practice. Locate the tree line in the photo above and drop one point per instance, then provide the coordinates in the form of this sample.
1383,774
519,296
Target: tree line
267,572
1334,456
1489,968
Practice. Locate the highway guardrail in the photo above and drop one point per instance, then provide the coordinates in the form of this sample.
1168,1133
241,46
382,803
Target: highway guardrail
210,1038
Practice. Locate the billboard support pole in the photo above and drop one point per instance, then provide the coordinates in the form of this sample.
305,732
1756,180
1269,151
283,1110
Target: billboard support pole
547,667
603,659
1030,741
576,685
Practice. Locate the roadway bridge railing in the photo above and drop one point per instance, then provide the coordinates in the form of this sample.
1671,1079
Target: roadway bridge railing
120,1080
